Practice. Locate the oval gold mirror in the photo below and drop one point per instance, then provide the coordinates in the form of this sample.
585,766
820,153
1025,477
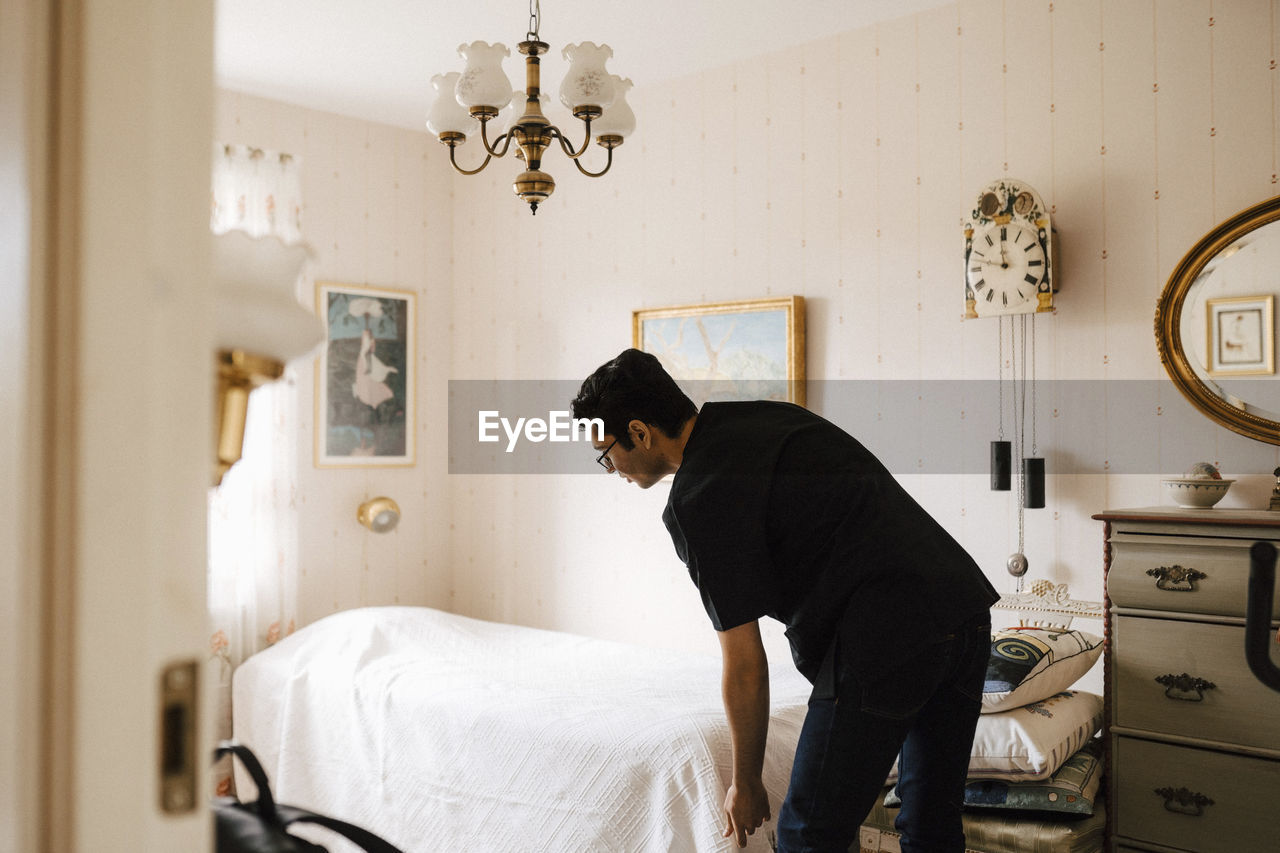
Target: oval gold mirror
1215,327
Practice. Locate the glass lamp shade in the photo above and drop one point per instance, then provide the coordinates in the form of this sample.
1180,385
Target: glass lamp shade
618,119
257,311
446,115
587,83
483,83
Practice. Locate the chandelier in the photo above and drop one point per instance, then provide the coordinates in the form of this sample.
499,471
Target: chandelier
482,95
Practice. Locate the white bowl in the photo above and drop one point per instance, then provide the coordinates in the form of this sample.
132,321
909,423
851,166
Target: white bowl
1195,493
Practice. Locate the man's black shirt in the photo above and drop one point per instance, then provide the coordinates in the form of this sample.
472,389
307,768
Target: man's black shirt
778,512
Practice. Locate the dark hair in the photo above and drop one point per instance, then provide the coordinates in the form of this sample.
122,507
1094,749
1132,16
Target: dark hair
633,386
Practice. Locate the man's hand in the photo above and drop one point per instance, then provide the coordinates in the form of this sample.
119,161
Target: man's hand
745,808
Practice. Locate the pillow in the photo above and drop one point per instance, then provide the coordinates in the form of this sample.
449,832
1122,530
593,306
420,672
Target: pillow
1031,664
1030,743
1070,791
1033,741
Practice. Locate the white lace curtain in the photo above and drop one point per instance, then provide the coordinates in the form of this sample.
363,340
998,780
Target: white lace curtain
253,516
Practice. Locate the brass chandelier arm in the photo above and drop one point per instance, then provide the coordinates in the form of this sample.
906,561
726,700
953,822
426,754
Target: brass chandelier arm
492,150
567,147
574,155
607,164
477,170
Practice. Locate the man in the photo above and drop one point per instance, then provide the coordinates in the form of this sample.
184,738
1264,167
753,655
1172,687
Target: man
777,512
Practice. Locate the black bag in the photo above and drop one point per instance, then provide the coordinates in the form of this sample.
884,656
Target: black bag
262,827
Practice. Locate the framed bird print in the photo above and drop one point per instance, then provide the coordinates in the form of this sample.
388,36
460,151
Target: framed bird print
364,377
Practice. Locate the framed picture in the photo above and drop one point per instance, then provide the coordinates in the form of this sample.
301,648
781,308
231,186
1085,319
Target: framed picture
748,350
1241,335
364,377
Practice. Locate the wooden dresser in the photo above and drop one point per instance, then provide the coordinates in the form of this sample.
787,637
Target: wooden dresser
1193,739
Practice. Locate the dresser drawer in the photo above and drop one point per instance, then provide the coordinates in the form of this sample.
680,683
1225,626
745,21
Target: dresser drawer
1163,795
1237,709
1182,574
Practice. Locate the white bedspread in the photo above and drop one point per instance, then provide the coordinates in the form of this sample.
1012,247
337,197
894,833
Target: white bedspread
443,733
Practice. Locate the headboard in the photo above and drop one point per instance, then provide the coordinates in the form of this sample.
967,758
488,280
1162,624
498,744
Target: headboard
1047,605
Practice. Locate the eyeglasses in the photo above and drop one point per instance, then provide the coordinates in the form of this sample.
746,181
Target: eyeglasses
603,459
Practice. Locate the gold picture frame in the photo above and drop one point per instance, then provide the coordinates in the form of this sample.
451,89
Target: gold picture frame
1240,335
747,349
364,410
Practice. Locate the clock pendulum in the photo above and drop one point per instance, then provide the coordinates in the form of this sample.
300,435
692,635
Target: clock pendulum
1017,563
1001,462
1031,473
1033,465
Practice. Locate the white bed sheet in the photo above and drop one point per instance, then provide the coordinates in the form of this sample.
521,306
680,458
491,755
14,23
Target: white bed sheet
441,732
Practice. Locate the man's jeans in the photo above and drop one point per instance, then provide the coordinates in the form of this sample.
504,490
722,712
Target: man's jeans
927,710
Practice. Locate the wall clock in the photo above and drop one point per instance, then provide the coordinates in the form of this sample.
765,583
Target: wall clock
1010,270
1009,263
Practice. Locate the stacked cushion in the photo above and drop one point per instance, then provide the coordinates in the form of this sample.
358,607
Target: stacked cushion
1031,664
1030,743
1072,789
1034,748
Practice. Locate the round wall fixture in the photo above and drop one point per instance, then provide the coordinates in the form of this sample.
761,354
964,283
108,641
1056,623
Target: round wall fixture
379,514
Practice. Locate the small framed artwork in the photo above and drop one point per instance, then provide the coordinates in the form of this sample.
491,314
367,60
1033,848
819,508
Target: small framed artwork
364,377
746,350
1241,335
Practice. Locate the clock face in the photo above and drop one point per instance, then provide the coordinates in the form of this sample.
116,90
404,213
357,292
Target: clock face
1005,269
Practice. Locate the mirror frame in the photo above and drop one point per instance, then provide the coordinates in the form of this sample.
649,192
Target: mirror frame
1169,321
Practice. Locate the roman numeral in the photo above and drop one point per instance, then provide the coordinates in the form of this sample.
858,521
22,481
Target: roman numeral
990,295
1035,263
1030,279
981,284
1004,234
1004,297
990,242
1030,246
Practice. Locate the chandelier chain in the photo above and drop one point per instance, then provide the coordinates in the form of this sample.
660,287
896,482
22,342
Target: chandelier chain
535,19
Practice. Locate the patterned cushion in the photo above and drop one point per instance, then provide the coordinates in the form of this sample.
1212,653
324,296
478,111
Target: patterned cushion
1070,791
1031,664
1030,743
1033,741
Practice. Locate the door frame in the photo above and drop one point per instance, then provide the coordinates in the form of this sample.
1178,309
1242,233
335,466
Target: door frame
113,379
24,160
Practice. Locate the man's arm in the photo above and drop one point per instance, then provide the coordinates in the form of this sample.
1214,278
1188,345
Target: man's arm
745,689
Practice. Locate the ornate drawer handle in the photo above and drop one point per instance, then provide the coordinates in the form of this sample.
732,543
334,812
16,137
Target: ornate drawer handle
1176,578
1174,685
1182,801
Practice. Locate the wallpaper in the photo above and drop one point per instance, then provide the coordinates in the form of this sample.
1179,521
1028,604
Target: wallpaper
842,171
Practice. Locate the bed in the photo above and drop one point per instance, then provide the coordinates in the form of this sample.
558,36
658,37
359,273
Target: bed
441,732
